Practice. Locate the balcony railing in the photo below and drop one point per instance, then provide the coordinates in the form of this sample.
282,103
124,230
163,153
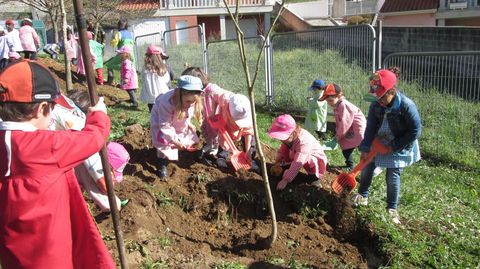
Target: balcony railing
172,4
459,4
360,7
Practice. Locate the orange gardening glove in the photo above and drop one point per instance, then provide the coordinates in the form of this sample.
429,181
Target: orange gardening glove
102,184
276,170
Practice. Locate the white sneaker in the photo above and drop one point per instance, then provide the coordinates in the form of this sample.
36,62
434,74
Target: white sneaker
359,200
393,214
317,183
377,171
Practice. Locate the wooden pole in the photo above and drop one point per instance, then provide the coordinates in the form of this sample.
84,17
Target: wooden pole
92,90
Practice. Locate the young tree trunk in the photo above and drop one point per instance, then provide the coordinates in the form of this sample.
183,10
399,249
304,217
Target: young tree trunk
68,69
55,30
250,86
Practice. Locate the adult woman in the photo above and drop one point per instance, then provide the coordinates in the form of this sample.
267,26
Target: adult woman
394,120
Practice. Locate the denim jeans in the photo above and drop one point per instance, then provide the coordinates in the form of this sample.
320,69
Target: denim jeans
393,183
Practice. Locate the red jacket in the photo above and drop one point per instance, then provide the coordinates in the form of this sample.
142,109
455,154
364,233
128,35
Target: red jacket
44,220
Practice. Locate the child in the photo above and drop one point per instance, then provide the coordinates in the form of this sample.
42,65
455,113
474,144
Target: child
69,114
5,46
97,50
235,110
44,220
121,38
71,46
14,36
394,120
155,76
29,39
299,149
316,119
80,64
129,81
349,122
170,121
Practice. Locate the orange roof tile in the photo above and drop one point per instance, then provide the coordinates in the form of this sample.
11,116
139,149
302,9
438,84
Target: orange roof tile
408,5
139,4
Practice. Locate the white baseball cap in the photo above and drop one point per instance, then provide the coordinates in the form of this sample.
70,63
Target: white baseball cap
239,106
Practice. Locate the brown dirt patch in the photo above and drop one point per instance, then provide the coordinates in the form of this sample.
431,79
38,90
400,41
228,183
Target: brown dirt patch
204,215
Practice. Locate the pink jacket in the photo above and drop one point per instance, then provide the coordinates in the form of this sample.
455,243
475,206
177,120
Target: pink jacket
80,63
128,75
350,124
306,152
216,101
165,127
29,38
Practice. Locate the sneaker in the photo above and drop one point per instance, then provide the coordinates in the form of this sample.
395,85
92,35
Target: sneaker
393,214
359,200
317,183
222,163
377,171
162,172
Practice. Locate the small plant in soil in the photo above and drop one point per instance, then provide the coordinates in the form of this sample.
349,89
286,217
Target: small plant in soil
164,242
201,178
151,264
311,212
229,265
163,199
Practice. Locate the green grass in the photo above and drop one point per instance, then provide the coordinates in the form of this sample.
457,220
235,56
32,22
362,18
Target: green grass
439,203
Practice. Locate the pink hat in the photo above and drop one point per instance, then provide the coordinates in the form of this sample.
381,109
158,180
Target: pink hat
154,50
282,127
124,49
89,35
118,157
382,81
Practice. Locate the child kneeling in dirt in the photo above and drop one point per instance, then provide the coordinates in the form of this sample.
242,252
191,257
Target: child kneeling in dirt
69,114
299,149
235,110
170,121
44,220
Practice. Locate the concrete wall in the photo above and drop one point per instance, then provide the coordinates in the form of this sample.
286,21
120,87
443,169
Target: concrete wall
415,39
410,20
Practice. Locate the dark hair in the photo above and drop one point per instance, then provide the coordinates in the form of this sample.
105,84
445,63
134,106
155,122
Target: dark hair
122,24
25,22
80,98
395,70
21,111
197,72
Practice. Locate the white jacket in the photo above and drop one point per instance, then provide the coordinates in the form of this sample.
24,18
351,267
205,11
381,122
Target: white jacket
153,85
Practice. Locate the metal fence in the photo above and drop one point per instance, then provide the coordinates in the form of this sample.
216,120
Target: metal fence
186,46
141,44
225,67
344,55
446,88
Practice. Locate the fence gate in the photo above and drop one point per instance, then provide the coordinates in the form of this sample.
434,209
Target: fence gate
344,55
186,47
223,58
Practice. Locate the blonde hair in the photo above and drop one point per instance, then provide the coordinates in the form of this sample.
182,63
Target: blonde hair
154,62
198,107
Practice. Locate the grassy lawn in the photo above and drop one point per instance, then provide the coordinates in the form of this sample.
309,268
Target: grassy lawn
439,202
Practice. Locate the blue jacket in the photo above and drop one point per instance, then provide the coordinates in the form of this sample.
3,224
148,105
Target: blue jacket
404,121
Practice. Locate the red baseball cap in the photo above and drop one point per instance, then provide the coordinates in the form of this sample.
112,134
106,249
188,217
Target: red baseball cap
27,82
330,89
382,81
154,50
9,21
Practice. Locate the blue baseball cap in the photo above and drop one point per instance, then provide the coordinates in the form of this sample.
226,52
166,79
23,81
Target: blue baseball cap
317,84
189,83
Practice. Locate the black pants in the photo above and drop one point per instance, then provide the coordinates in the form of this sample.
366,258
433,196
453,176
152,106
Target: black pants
347,153
133,97
150,106
32,55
